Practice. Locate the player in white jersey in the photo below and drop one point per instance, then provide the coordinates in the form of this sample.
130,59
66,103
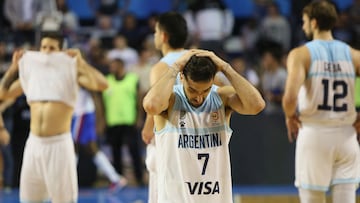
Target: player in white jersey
320,110
170,38
192,129
50,80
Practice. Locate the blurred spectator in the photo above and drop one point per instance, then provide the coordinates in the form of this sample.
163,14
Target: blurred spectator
108,8
249,35
19,134
4,58
209,23
122,108
4,23
104,32
354,12
273,79
343,29
121,50
275,27
23,14
240,65
5,147
70,21
133,32
6,123
142,70
97,57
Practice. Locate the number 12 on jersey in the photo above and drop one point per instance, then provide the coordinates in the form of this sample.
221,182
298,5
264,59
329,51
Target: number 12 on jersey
340,89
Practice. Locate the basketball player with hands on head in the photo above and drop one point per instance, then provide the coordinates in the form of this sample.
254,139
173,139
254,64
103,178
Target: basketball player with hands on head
192,129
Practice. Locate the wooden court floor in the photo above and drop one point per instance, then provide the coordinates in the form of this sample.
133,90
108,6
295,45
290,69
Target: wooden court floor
242,194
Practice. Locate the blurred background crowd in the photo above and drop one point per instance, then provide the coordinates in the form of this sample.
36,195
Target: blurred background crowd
116,36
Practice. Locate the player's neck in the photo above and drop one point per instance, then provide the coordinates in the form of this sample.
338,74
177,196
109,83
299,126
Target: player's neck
323,35
167,49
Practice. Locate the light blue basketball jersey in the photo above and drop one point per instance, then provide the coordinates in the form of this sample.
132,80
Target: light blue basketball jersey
193,160
328,94
170,59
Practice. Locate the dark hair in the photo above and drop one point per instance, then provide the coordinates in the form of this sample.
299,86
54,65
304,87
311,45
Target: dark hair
174,25
118,61
323,12
274,49
200,69
53,35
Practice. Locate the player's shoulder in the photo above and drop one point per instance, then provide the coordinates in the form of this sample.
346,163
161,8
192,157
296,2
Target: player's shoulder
299,52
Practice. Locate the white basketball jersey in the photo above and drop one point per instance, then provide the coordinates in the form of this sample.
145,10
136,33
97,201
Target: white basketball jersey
49,77
193,160
328,94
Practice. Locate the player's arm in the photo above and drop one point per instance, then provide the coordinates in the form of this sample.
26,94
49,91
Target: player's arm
88,76
156,73
10,84
158,97
298,62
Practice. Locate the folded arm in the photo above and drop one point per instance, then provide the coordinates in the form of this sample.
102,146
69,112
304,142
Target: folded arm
88,76
10,85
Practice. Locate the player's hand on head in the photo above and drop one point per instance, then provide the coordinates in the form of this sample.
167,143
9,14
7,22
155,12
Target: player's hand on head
220,64
182,61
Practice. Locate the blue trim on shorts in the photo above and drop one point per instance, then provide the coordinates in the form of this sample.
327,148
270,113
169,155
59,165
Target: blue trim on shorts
333,182
344,181
313,187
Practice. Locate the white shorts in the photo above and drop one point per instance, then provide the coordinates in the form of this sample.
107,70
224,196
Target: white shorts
49,170
150,162
326,156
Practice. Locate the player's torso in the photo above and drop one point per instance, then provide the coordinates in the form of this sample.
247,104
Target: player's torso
192,154
327,96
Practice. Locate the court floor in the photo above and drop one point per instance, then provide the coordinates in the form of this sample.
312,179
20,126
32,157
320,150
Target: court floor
139,195
242,194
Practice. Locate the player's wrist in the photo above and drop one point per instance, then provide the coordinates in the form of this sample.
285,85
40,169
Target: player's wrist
175,69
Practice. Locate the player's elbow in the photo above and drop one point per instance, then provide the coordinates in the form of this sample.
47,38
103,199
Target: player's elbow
151,107
258,106
103,85
288,102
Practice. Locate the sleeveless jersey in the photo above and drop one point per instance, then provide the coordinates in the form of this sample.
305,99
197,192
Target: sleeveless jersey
49,77
328,94
192,152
